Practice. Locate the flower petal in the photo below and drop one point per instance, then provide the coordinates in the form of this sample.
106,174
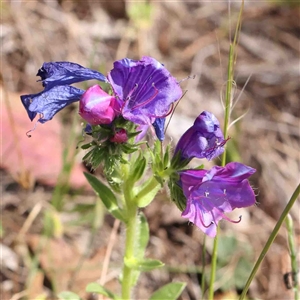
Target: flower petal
233,171
49,102
189,179
65,73
206,221
145,87
159,126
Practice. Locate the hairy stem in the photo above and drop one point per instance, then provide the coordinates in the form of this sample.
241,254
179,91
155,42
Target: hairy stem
131,226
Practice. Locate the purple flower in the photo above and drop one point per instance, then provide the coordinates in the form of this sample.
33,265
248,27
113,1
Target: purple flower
143,93
66,73
97,107
49,102
144,88
212,193
57,94
203,140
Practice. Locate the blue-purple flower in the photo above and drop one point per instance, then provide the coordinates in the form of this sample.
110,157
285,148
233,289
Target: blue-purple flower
66,73
145,88
212,193
57,93
159,127
203,140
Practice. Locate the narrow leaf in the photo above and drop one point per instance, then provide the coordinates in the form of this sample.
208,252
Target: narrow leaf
106,195
66,295
170,291
97,288
143,265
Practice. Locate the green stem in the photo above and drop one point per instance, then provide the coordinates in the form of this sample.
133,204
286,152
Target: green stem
151,185
129,252
203,267
226,125
213,267
293,253
228,98
270,240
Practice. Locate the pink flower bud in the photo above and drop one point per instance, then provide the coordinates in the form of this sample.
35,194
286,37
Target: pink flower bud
120,136
96,106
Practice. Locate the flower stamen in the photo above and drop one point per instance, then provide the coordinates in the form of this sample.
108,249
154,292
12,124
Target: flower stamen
34,127
149,100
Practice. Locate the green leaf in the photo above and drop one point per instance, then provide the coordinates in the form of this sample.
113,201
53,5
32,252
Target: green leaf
68,296
97,288
146,199
170,291
143,265
106,195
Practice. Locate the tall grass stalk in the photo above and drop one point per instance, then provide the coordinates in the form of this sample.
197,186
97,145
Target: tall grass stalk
271,240
293,254
228,103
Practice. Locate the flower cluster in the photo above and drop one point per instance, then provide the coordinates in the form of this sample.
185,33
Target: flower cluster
205,196
143,91
142,95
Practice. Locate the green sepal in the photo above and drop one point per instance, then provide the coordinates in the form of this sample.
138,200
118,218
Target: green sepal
177,163
87,146
176,192
160,179
66,295
167,157
160,163
137,170
129,148
143,265
106,195
97,288
170,291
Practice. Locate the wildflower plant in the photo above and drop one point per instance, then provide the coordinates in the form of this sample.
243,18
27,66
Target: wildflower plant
142,94
125,129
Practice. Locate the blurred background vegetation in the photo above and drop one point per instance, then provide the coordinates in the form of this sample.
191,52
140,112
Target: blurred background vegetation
54,232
